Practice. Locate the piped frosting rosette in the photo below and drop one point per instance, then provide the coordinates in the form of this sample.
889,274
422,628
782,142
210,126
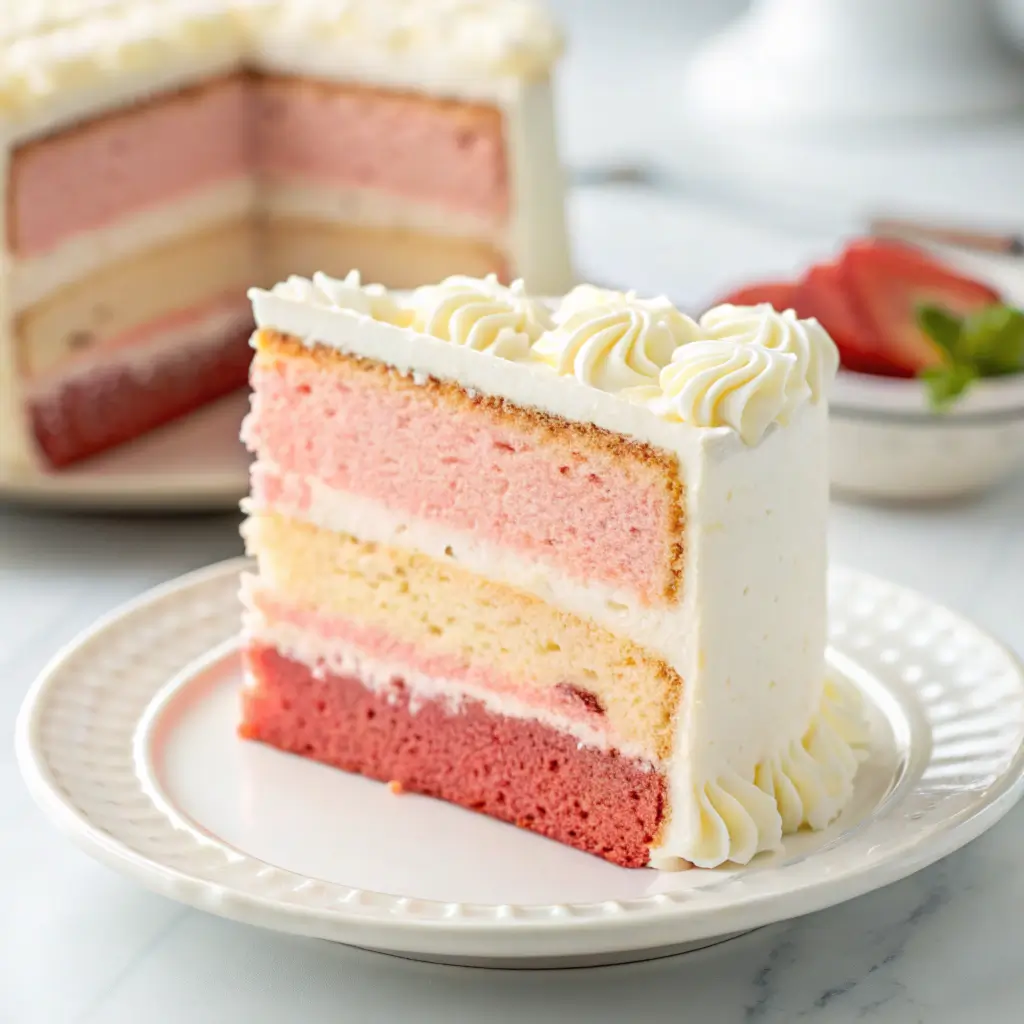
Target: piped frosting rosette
761,326
481,314
613,340
720,383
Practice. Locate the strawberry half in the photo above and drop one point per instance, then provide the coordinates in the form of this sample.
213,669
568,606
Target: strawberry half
886,282
822,294
778,294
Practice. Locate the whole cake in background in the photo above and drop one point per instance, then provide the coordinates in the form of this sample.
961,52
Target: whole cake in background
159,156
564,566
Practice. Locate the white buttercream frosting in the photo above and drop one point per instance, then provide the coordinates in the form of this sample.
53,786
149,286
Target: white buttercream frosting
369,299
54,46
762,326
481,314
805,784
613,340
722,383
372,300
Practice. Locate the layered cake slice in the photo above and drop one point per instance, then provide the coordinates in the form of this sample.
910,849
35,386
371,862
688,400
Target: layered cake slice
159,156
563,566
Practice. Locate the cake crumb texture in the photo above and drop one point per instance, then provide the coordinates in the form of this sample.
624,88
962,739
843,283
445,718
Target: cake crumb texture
512,769
378,599
596,505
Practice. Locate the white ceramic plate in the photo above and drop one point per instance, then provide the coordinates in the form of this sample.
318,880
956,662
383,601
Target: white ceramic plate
128,743
195,464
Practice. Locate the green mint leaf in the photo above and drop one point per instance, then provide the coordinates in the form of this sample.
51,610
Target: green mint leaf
942,327
946,384
993,341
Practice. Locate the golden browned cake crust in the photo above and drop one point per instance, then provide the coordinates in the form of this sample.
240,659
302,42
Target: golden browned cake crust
574,442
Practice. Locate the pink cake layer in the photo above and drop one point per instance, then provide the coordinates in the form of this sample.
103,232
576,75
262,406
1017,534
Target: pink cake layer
515,770
327,639
358,430
103,170
439,151
338,135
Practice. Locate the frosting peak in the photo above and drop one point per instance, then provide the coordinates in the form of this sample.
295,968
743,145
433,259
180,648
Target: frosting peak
721,383
613,340
816,354
371,300
481,314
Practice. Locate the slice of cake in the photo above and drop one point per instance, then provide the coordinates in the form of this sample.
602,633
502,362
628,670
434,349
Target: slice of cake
159,156
564,567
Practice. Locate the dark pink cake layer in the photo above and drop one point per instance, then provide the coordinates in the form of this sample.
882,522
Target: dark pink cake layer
516,770
117,402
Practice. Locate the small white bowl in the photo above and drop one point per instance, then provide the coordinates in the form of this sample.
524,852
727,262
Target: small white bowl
886,442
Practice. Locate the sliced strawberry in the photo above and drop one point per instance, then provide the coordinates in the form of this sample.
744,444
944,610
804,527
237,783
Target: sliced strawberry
822,295
778,294
886,282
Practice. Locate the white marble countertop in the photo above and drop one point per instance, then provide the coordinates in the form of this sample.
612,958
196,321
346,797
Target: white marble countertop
80,944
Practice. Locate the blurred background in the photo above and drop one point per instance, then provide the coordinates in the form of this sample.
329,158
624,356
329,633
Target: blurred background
801,120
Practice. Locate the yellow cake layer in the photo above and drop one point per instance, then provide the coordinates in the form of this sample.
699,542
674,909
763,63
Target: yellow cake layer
228,259
138,290
444,609
396,257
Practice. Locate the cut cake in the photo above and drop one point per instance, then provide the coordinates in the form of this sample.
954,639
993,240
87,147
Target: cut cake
159,156
564,567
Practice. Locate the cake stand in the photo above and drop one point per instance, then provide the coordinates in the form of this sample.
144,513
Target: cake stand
802,64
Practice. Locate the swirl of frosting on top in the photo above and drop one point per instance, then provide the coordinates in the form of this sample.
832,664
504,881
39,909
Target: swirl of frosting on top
613,340
481,314
816,354
720,383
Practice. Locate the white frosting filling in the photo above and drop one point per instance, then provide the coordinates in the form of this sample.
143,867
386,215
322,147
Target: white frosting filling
34,278
760,745
617,609
338,659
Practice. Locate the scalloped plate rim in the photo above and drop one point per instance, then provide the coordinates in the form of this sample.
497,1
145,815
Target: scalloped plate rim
569,929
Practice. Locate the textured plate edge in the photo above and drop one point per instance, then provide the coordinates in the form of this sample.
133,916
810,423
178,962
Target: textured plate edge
506,937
